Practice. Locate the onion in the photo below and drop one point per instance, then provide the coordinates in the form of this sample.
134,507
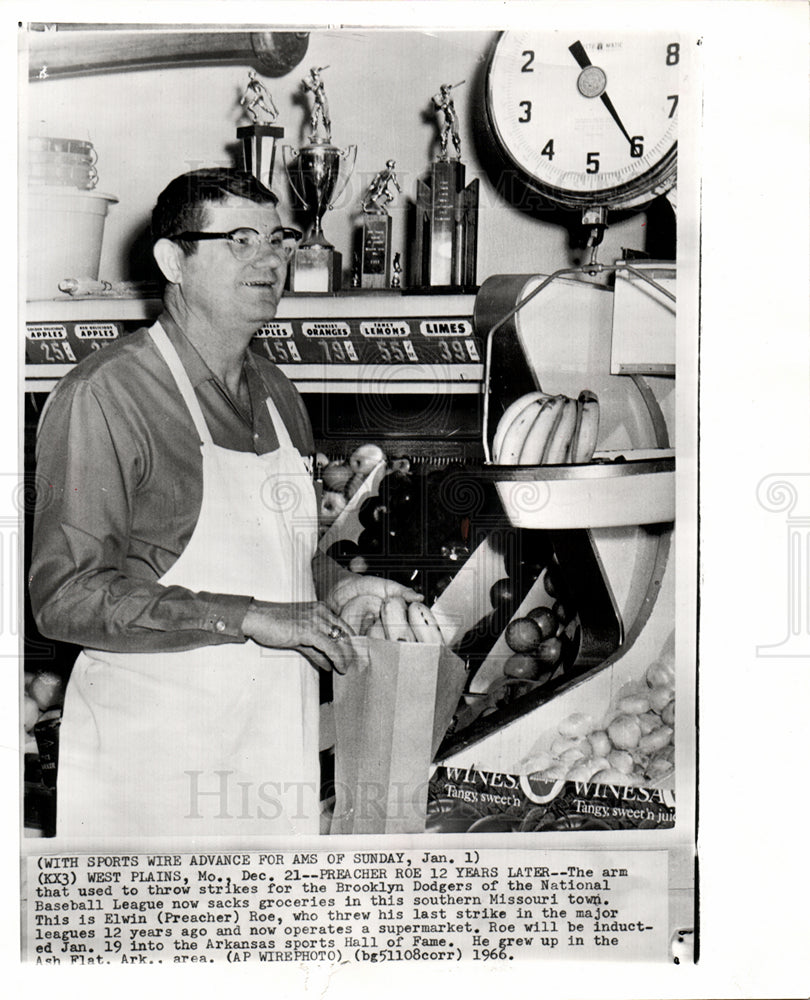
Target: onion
660,697
658,767
573,754
539,762
600,743
624,732
621,760
612,776
660,674
634,705
583,771
656,740
563,743
576,725
554,773
648,722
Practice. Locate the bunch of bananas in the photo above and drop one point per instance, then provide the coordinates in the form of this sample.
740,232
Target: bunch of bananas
538,429
391,619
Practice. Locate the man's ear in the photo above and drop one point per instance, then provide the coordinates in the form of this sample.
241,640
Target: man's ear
168,256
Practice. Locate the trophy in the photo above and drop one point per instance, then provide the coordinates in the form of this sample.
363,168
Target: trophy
262,111
314,171
375,260
446,211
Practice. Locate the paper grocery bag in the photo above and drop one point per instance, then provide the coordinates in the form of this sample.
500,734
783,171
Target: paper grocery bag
390,716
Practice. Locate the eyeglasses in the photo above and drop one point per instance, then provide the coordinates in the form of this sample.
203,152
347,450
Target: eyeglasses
244,243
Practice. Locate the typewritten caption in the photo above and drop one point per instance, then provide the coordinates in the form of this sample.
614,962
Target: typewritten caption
351,906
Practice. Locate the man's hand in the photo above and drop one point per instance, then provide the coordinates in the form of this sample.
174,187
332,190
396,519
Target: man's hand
352,584
304,627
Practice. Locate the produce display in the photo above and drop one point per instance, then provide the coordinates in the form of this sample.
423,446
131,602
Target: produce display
541,642
539,429
631,744
343,478
415,528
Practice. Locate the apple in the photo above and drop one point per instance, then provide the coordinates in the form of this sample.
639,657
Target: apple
332,505
549,651
353,485
363,459
335,476
546,619
523,635
502,593
523,666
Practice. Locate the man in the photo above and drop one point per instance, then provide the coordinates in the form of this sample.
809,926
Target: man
175,541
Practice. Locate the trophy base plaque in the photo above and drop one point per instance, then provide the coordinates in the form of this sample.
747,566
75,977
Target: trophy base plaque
315,269
255,151
446,232
375,258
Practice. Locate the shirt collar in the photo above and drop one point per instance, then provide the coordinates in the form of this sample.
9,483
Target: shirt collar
198,371
196,368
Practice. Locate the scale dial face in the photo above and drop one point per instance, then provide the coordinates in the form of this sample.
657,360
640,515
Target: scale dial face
588,118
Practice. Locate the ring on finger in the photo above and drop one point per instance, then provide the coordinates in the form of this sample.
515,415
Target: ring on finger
336,633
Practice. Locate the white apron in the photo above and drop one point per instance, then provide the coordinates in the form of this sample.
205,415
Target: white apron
220,740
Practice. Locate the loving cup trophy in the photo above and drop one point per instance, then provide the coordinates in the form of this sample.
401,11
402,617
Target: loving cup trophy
314,171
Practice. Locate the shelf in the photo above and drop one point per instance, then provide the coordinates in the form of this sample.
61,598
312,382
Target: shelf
356,302
337,343
625,488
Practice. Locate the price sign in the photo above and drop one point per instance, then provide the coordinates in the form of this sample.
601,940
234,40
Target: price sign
374,341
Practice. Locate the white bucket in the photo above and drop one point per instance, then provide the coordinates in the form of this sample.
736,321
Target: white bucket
65,230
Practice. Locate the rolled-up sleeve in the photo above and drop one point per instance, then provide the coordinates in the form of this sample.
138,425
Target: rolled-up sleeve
90,466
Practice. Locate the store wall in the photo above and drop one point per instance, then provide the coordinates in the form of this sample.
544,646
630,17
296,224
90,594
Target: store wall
150,125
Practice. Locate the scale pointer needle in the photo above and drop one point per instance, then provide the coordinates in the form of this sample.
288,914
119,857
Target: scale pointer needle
578,52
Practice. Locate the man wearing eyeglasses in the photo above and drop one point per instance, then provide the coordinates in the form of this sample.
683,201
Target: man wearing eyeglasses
175,541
